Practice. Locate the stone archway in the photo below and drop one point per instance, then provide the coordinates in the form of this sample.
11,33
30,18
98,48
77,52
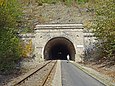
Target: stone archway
59,48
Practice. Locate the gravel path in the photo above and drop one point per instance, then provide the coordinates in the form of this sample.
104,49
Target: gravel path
57,77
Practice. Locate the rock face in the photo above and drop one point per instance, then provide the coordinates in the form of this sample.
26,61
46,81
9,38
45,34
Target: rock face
54,13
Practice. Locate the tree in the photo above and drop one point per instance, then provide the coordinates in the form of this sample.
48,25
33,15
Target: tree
10,50
104,27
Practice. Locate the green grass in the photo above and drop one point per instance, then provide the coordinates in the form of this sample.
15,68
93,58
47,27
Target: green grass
67,2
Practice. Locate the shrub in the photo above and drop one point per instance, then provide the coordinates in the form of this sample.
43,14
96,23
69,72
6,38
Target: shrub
10,50
27,48
104,27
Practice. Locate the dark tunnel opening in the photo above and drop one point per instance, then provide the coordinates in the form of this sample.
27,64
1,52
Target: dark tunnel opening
59,51
59,48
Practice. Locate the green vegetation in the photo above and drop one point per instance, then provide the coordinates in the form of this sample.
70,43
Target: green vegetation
27,49
46,1
10,50
40,2
104,27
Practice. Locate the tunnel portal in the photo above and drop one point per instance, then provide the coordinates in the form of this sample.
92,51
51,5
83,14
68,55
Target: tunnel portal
59,48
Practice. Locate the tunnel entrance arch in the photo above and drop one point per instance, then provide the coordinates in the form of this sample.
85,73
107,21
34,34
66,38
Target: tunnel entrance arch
59,48
55,41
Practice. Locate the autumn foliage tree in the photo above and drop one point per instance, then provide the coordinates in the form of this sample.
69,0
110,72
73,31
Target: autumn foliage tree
10,50
104,27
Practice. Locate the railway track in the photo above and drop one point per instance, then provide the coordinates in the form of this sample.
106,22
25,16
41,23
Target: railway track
39,77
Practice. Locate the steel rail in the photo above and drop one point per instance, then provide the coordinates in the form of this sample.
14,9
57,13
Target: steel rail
45,80
30,74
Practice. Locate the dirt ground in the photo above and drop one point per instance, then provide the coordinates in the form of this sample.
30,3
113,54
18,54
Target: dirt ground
106,68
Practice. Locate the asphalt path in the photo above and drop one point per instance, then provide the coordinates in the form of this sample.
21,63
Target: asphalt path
73,76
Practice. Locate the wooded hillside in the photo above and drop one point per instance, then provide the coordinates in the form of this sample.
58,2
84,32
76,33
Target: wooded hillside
14,19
